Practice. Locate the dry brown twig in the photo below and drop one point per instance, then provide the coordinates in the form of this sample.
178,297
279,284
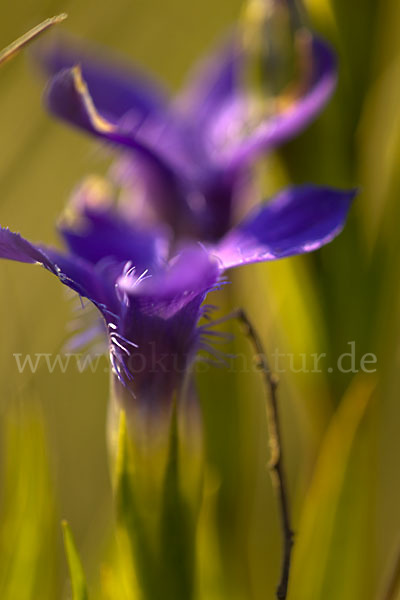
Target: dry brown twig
32,34
275,444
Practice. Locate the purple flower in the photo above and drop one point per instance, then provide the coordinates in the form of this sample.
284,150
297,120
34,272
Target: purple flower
147,266
150,292
189,156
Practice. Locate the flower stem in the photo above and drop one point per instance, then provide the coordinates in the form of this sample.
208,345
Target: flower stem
275,444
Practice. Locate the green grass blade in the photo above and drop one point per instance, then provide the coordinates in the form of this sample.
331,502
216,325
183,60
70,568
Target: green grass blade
177,527
332,547
78,580
28,566
130,519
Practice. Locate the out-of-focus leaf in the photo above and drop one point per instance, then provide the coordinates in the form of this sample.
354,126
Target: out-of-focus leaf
27,566
290,320
330,546
176,527
117,580
210,585
131,522
320,10
391,585
78,580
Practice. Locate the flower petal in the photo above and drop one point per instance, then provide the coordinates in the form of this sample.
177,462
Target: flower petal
73,272
68,98
84,279
116,88
95,231
15,247
233,140
212,82
158,334
192,273
300,219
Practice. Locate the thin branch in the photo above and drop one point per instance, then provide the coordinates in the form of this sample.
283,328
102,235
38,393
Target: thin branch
275,443
32,34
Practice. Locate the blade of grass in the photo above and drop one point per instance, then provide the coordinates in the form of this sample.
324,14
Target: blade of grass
28,37
131,522
78,580
330,554
177,527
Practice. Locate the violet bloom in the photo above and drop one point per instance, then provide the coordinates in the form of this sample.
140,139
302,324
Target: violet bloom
188,158
150,294
148,271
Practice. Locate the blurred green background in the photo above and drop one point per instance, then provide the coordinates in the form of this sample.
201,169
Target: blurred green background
341,431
